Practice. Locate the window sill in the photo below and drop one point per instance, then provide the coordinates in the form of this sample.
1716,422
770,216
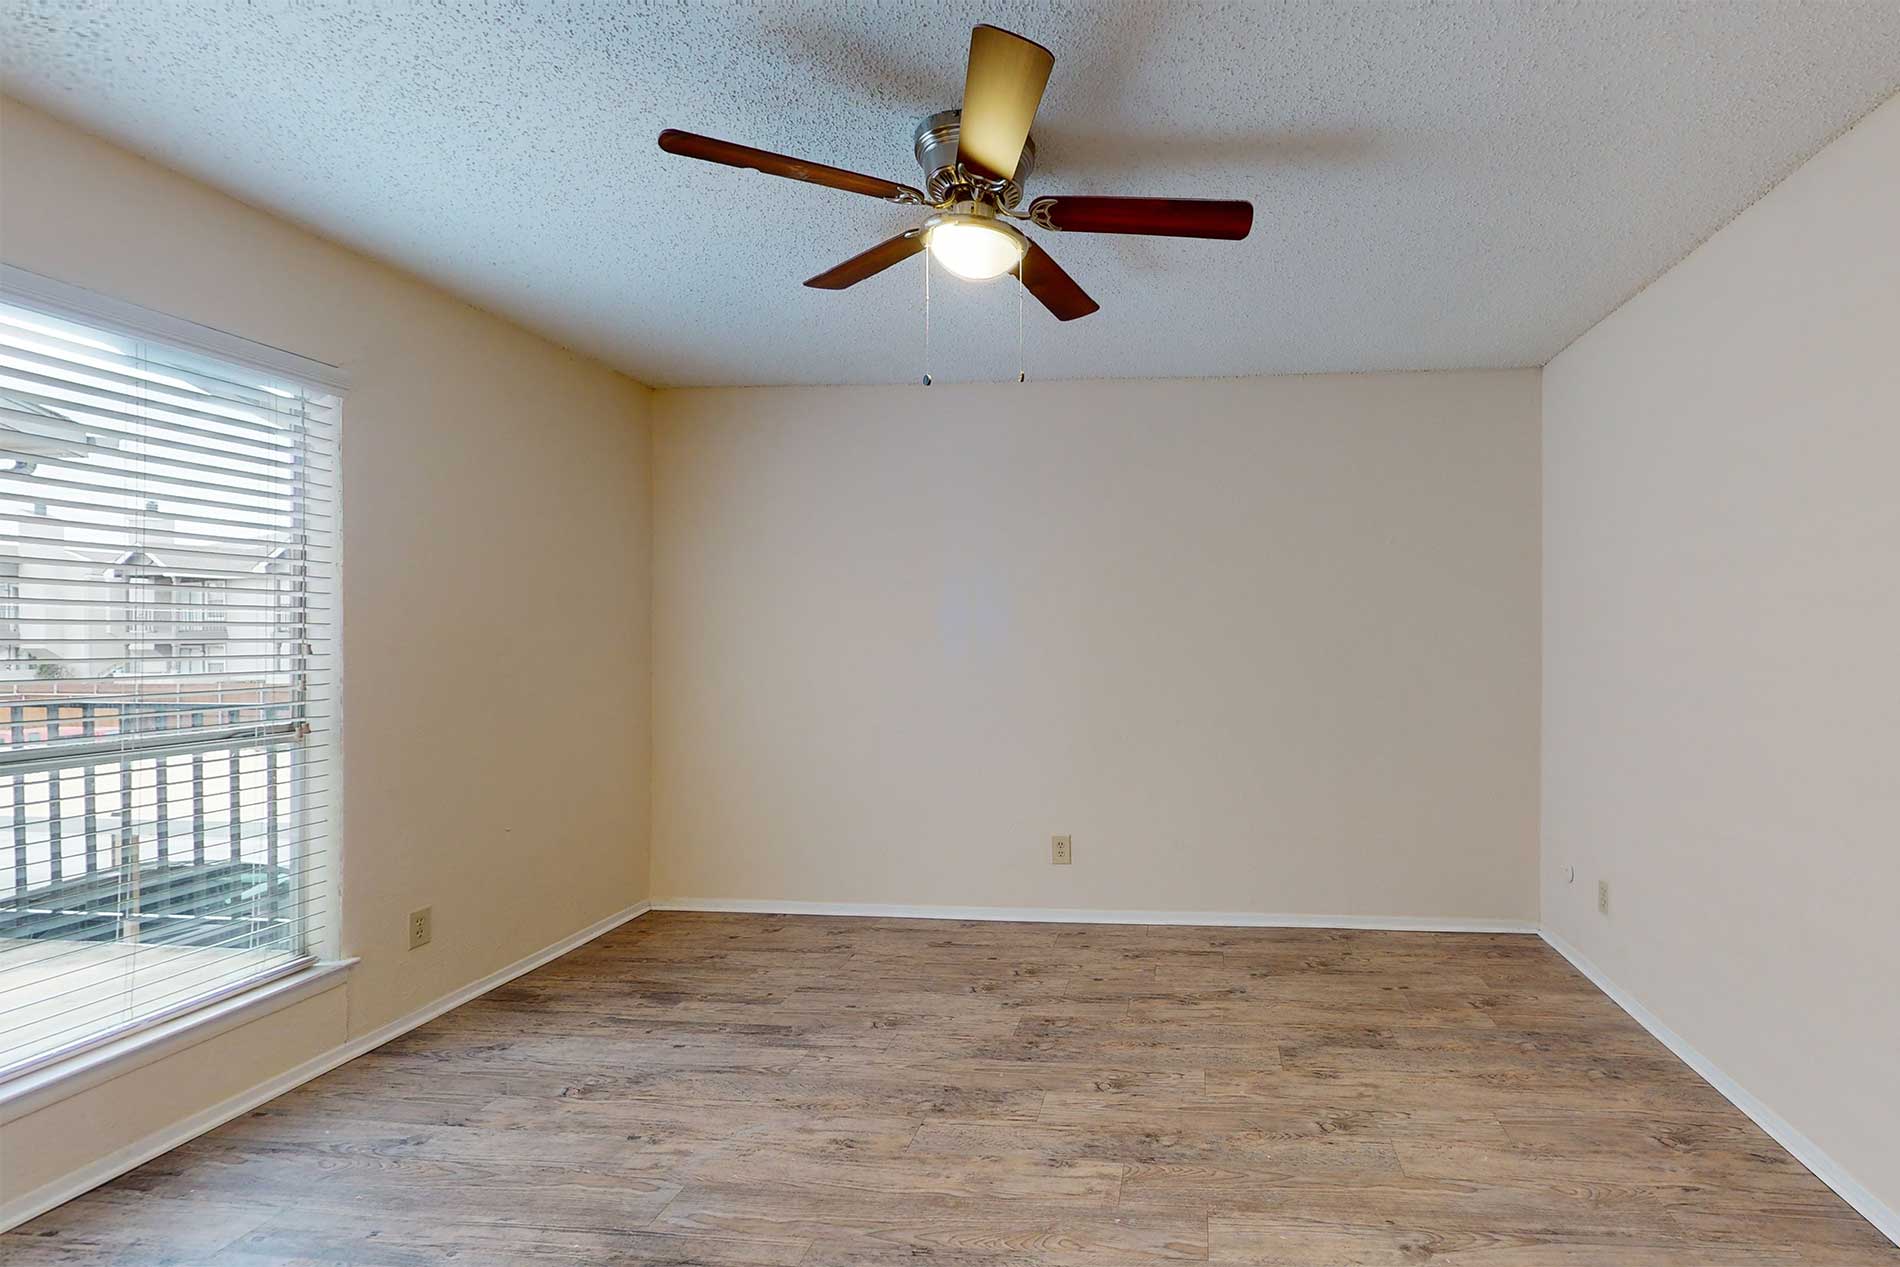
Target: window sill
37,1088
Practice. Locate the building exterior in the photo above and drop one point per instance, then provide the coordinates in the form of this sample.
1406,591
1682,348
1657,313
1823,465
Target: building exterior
76,604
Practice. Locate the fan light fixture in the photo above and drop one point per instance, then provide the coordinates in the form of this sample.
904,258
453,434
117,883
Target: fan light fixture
974,247
975,160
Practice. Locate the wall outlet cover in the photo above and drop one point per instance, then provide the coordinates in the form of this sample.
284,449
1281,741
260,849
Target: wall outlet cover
1061,851
421,926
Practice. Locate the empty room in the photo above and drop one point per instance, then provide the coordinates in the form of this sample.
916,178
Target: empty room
833,634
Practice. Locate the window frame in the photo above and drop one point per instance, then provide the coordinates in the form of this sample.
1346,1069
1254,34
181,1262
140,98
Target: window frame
74,303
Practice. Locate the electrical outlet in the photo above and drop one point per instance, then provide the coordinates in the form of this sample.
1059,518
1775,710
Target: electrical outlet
1603,896
1061,851
421,926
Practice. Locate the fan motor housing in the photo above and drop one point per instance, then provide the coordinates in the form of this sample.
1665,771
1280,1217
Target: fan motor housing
935,144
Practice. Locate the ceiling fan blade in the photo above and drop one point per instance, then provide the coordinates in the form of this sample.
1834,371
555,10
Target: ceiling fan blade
712,150
1161,217
1001,91
871,262
1053,288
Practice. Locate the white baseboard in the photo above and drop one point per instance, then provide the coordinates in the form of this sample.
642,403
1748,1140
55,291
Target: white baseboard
1080,915
1804,1150
65,1188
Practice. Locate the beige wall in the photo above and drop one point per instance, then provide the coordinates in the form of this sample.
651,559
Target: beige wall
497,521
1722,649
75,1135
1262,646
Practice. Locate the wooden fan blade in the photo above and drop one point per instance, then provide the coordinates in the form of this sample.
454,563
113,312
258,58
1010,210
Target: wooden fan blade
1001,91
713,150
871,262
1053,288
1161,217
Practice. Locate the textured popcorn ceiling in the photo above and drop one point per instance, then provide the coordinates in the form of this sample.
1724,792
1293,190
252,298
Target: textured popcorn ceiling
1449,185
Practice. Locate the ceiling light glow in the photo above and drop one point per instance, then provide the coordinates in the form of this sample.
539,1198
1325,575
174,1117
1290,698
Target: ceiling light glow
975,248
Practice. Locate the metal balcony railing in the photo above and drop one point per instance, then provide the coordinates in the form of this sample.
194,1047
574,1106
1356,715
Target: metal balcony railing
170,820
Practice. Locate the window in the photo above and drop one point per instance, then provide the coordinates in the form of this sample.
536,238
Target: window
167,609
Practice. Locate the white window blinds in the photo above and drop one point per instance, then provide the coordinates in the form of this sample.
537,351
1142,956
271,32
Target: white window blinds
167,625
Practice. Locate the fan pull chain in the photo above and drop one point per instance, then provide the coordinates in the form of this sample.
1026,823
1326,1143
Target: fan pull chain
1022,364
926,255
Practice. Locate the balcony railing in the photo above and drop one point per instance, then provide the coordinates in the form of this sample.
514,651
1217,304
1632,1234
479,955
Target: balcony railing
155,845
196,629
196,844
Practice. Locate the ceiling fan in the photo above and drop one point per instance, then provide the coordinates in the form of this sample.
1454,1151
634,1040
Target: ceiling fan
975,161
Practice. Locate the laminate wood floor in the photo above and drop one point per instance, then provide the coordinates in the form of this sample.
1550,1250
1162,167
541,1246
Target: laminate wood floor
733,1089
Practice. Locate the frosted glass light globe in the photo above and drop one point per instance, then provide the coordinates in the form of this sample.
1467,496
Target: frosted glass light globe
975,249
